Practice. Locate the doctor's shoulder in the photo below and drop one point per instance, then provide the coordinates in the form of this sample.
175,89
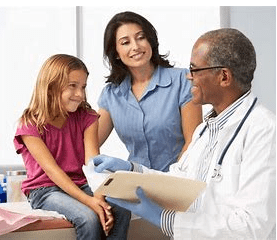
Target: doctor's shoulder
260,127
262,117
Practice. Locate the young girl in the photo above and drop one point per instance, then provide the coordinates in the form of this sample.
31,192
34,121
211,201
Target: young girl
56,136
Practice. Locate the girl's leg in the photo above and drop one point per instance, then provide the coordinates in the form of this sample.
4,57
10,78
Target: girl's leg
121,225
83,218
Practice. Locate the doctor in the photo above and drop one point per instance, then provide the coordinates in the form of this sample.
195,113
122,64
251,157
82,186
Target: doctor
233,150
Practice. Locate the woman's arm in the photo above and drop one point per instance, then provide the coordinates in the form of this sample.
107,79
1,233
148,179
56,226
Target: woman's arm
43,156
105,126
191,117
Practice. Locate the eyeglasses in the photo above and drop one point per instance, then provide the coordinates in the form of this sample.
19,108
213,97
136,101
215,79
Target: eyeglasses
192,70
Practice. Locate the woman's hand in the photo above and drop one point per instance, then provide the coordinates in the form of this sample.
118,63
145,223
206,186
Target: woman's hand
103,162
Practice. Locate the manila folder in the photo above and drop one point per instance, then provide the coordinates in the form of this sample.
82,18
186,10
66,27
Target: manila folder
170,192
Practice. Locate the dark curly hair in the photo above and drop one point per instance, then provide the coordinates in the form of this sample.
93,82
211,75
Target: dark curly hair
118,70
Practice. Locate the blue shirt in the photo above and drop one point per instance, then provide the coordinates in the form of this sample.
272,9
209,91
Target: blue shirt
150,128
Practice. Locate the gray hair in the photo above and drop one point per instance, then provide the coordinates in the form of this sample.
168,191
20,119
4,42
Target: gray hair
230,48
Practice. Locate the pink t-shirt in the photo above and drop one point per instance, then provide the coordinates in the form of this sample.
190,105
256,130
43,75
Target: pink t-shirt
66,145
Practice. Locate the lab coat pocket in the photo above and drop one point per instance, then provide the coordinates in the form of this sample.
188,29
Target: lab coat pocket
230,181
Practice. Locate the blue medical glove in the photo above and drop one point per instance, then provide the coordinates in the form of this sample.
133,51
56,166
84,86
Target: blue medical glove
103,162
145,208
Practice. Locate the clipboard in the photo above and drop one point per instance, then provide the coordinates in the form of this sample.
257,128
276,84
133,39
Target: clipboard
170,192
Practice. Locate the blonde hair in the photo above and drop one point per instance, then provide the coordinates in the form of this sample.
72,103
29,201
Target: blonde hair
52,79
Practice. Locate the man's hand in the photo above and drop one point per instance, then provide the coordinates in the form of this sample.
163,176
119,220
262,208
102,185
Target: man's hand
103,162
145,208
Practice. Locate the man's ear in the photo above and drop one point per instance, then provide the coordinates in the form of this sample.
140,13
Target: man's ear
226,77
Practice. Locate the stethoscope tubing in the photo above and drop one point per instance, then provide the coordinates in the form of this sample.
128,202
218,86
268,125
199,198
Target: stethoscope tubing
217,171
236,132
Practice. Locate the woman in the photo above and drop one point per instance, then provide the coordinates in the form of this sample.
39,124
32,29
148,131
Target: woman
146,100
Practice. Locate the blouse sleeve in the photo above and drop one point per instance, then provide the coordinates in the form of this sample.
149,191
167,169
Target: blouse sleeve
22,130
185,87
103,99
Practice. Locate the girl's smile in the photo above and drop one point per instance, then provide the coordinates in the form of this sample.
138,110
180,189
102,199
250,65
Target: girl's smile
74,93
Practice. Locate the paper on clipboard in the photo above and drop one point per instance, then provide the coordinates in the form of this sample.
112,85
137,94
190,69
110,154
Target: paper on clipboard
174,193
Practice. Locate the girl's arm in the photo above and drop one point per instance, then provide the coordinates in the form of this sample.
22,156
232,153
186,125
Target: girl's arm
91,146
191,117
43,156
105,126
91,143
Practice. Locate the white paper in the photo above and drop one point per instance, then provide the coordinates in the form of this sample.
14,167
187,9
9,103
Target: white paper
25,208
94,179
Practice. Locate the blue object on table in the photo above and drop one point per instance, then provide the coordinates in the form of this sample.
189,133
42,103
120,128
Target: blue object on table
3,190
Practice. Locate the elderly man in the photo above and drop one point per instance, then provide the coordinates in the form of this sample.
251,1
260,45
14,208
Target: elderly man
233,150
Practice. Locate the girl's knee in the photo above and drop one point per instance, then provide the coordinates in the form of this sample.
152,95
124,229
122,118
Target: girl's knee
89,218
88,225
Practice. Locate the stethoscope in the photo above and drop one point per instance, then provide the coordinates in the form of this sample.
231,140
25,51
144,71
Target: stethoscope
217,175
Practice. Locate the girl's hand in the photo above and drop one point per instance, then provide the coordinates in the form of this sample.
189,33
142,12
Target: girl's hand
109,220
103,210
108,211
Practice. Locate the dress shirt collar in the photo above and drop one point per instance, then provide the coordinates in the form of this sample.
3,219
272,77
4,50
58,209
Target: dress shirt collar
222,118
161,78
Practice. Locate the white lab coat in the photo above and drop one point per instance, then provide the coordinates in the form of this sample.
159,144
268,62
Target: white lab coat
242,204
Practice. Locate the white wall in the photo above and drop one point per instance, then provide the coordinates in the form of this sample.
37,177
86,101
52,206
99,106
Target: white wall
259,25
28,36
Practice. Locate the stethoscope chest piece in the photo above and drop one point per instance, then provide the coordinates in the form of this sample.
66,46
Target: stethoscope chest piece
217,175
